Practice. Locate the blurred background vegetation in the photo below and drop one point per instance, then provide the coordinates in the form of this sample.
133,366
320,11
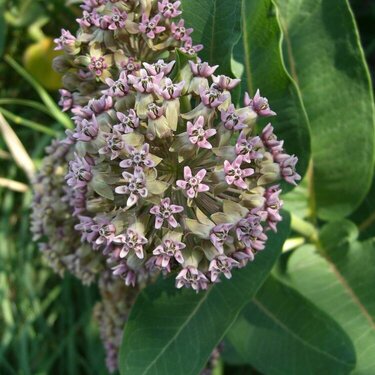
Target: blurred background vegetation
46,325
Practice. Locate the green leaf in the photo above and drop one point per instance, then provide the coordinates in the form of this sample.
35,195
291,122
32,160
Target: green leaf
297,333
340,280
364,216
325,58
259,52
216,26
101,187
173,332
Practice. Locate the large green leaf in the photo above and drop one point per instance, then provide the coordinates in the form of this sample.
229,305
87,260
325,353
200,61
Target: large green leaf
324,55
216,26
341,282
173,332
281,321
260,54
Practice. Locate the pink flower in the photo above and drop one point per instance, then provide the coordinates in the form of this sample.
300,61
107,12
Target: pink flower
66,101
193,185
168,250
251,233
202,69
127,274
197,135
114,145
164,212
231,120
169,9
86,130
135,186
154,111
189,49
212,97
172,91
259,105
180,32
128,122
272,206
150,27
288,167
137,158
235,175
146,83
79,172
103,104
159,67
191,277
219,265
219,235
131,241
117,88
105,229
226,83
116,20
249,148
66,39
98,65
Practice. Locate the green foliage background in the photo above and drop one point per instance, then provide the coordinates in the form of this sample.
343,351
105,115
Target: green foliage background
307,305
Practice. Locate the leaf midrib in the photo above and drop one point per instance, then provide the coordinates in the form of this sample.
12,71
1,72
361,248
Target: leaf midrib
178,332
278,322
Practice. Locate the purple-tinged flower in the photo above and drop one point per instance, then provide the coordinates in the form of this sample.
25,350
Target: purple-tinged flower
78,201
135,186
103,104
67,41
251,148
131,241
154,111
87,20
272,206
146,83
172,91
193,184
212,97
251,233
226,83
164,212
90,5
98,65
180,32
119,88
287,165
66,100
129,121
114,145
168,250
219,235
198,135
191,277
169,9
234,174
202,69
221,265
85,229
189,49
159,67
79,172
128,64
116,20
150,27
105,229
81,113
231,120
259,105
127,274
137,157
86,130
270,140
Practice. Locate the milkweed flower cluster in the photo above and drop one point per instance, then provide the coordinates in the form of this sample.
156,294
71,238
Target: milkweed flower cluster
164,173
